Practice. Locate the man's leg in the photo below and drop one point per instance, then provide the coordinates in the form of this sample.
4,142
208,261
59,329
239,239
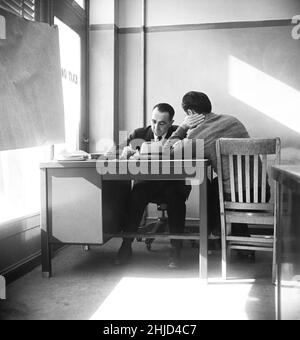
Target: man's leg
213,206
176,194
140,196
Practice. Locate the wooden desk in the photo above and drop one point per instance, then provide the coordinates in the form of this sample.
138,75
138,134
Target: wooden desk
288,242
80,200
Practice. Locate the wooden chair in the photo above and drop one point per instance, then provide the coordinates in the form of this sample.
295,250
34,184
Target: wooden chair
242,163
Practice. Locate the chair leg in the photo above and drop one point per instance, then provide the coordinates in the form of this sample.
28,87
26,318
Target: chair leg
224,259
226,254
229,254
224,263
274,276
274,262
274,267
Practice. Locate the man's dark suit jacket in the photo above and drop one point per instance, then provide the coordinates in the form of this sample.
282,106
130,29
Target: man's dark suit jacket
141,135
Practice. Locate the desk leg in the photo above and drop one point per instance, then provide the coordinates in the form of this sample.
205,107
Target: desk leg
46,255
203,229
45,246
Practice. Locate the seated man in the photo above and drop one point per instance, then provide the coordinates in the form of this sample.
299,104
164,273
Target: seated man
173,193
213,127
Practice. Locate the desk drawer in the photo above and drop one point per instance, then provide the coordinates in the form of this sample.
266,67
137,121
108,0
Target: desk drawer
74,206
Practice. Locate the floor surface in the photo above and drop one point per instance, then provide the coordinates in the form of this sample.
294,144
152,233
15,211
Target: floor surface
86,285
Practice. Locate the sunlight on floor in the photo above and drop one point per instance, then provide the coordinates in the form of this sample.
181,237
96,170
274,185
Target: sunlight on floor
176,299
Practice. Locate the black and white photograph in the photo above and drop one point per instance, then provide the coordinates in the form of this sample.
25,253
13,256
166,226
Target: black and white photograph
149,163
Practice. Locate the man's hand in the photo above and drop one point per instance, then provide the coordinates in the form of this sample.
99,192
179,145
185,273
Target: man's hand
127,152
135,156
192,121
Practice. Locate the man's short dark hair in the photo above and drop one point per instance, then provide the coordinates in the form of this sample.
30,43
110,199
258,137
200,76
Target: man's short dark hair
197,101
164,107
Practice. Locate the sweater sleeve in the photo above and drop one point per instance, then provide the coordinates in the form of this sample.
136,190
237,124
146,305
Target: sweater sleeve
177,135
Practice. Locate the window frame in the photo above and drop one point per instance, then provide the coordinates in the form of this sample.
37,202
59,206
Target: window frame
77,18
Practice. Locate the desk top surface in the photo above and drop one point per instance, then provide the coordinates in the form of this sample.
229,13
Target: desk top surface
93,163
287,174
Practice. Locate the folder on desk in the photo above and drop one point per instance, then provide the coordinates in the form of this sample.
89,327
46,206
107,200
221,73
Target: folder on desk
151,150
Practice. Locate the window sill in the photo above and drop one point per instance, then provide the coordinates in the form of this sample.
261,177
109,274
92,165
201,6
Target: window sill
19,225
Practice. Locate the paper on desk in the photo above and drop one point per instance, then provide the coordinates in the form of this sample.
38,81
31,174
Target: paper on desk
77,155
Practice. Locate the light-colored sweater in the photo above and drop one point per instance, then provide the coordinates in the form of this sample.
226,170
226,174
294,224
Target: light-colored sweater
214,127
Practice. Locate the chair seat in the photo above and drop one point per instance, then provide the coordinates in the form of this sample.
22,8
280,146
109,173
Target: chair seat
264,217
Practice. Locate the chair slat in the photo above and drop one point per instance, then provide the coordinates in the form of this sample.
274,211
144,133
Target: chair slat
264,179
240,178
255,179
247,175
232,184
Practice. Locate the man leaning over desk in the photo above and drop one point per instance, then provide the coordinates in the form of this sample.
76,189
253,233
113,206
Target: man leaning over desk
214,126
173,193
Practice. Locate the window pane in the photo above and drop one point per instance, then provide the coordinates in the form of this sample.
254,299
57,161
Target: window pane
81,3
20,182
70,55
24,8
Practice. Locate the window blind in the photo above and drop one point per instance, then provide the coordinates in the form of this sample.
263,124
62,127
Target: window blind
24,8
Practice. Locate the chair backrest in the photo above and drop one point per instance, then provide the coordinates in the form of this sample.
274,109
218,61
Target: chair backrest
243,163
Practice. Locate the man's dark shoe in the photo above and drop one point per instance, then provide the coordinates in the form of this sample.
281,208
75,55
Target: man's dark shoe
124,253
